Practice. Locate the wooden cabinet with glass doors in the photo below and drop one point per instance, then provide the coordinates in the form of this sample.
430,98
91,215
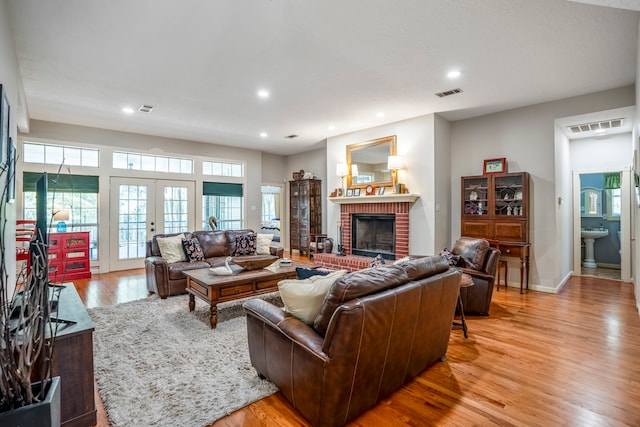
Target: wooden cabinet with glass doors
496,207
305,201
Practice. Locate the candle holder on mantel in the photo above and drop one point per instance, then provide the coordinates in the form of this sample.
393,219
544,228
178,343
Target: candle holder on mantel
341,251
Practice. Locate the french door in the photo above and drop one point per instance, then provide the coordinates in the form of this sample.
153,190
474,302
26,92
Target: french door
141,208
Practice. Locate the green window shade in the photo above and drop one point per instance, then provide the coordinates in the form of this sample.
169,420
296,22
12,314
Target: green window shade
63,183
611,181
221,189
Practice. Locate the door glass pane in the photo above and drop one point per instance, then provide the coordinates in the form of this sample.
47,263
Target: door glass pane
132,224
176,205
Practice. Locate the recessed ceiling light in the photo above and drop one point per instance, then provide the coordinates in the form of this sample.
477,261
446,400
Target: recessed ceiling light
331,127
380,114
262,93
453,74
128,110
264,134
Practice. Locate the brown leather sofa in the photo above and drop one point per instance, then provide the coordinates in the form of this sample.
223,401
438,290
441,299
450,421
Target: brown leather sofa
480,261
378,328
166,279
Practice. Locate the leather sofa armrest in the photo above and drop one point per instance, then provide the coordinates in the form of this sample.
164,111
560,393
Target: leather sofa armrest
157,272
477,274
277,251
295,329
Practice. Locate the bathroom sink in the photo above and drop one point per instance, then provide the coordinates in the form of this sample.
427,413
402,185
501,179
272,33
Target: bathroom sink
595,233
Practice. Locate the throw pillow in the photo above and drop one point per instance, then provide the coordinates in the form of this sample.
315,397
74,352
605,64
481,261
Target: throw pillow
305,273
263,244
451,258
192,249
377,261
303,298
245,244
171,248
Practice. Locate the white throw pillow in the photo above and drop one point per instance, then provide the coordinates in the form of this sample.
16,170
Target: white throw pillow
171,248
303,298
263,244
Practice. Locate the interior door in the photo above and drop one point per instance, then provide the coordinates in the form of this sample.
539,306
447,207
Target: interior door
141,208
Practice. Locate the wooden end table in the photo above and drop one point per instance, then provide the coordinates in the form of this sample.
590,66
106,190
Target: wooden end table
465,282
213,289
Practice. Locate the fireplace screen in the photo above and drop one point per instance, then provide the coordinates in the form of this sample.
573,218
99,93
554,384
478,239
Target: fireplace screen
373,234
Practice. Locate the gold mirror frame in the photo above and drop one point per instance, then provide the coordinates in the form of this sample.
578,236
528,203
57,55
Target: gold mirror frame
368,148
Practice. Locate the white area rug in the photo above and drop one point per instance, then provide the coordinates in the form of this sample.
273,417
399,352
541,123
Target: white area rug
157,364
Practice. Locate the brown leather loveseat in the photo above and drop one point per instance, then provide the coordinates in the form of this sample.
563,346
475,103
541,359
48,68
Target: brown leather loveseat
164,278
377,329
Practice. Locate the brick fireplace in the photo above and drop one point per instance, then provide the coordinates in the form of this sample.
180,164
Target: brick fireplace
400,209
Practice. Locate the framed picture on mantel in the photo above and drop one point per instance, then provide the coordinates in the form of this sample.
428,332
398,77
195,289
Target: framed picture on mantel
495,166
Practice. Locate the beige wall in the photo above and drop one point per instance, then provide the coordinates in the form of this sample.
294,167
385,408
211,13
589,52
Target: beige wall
416,144
11,85
526,137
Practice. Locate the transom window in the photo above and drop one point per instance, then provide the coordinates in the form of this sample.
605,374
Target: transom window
59,154
152,163
223,169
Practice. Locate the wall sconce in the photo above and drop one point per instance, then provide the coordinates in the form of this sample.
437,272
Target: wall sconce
61,216
342,170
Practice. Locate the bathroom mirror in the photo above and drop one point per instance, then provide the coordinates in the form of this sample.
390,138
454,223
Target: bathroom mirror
371,159
590,202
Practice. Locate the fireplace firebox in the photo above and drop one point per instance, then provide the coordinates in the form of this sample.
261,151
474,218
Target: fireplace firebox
373,234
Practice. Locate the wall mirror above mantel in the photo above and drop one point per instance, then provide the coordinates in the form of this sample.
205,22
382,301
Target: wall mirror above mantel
371,157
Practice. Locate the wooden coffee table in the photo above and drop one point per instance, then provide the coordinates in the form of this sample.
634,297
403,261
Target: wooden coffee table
212,289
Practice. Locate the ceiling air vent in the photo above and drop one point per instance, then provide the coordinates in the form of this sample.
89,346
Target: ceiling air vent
595,126
291,136
145,108
448,92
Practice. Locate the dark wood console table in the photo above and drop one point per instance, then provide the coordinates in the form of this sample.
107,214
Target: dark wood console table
73,361
519,250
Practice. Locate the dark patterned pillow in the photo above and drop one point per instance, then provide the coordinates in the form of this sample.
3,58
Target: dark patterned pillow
305,273
377,261
246,244
192,249
453,259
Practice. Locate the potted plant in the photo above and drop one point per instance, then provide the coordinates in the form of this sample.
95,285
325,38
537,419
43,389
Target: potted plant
28,393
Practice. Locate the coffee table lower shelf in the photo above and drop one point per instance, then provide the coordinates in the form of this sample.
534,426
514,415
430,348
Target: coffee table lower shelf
213,289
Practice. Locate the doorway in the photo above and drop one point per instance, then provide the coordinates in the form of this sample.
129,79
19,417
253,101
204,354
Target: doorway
609,218
141,208
271,214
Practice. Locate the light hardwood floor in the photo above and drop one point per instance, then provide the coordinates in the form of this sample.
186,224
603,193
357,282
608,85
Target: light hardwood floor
539,359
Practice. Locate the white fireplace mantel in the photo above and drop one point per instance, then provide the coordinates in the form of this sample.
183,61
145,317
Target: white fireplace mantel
386,198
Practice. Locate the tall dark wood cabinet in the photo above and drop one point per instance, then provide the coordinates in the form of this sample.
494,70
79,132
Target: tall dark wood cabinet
496,207
72,360
305,204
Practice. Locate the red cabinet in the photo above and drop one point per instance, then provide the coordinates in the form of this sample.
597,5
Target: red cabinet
69,256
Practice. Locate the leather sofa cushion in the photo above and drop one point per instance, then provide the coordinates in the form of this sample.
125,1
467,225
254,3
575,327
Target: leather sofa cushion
176,268
357,284
418,268
213,243
472,252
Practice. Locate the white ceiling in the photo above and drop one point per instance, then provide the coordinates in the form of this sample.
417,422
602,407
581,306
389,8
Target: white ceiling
200,63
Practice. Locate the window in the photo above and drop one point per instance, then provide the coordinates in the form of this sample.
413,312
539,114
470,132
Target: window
223,169
151,163
59,154
225,201
614,204
76,193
